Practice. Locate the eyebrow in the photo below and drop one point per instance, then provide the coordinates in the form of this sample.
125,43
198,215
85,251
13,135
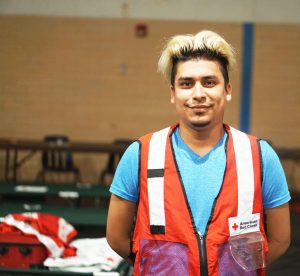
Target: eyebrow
191,78
184,78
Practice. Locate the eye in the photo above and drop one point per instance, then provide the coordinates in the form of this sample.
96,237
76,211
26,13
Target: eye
185,84
210,83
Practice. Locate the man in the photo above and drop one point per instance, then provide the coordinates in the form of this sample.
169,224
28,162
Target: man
205,198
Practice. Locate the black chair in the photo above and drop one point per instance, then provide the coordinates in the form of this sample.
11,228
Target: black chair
112,162
56,161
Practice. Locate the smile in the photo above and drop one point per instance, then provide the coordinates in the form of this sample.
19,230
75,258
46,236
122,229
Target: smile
200,108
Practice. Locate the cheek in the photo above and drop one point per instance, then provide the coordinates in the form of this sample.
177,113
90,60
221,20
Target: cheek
180,102
181,96
218,97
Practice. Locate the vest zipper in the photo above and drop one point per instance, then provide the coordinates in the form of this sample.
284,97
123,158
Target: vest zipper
202,254
200,238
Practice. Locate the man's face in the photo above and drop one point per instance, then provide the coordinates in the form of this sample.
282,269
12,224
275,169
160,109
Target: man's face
199,93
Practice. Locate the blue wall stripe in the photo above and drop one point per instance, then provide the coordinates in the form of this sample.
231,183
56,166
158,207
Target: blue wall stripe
245,104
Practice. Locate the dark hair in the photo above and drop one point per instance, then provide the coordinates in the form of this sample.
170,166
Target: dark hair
204,53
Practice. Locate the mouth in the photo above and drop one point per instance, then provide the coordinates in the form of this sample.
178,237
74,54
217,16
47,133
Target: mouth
200,108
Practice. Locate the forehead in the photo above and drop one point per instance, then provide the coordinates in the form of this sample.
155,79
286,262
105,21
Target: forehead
198,68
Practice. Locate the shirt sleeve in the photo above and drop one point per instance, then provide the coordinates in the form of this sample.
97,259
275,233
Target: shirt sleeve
125,181
274,188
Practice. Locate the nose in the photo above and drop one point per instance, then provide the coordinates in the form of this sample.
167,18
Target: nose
199,90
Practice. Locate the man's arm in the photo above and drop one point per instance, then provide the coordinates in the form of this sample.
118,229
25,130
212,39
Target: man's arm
119,225
278,231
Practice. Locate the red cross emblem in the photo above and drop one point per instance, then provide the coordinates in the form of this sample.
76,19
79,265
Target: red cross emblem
235,226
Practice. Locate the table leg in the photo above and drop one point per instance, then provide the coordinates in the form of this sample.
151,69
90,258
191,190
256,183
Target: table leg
7,160
15,166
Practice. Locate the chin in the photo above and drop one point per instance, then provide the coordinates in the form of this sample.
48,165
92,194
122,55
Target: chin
200,124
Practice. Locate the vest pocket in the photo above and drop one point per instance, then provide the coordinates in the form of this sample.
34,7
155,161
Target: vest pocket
241,255
163,258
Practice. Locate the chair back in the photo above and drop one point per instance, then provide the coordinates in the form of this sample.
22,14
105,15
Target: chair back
54,159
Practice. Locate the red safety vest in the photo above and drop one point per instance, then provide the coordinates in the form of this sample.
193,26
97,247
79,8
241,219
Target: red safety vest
165,239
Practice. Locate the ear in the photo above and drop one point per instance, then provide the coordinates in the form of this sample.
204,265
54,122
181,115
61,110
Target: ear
172,94
228,92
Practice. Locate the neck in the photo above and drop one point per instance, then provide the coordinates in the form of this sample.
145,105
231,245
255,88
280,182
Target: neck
201,140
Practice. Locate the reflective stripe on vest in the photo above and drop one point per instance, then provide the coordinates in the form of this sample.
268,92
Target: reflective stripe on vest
155,179
245,173
156,166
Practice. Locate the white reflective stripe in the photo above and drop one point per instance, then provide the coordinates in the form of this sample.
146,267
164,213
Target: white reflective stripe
157,149
245,173
156,201
55,250
156,160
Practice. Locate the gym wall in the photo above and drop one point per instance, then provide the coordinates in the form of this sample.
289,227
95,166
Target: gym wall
94,79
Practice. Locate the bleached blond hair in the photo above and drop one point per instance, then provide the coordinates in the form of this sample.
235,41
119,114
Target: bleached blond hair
205,44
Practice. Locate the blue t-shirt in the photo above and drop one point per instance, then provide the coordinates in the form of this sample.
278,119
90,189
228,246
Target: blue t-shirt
202,176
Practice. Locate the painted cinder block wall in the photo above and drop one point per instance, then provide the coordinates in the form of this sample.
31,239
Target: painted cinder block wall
93,79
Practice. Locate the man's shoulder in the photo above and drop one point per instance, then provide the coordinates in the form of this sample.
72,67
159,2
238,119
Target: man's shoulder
267,151
238,131
145,137
265,145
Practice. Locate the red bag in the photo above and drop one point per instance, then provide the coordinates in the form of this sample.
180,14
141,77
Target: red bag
21,251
